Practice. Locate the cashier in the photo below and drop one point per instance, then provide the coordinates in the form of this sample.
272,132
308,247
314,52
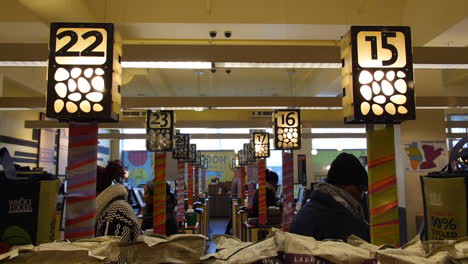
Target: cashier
335,208
271,187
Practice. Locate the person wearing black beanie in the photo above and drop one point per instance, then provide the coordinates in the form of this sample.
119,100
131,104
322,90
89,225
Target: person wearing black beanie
335,208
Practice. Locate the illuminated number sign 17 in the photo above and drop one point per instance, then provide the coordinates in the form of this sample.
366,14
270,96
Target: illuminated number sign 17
261,141
377,75
84,72
287,129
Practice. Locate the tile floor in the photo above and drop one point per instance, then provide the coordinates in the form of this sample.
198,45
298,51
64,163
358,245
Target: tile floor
215,226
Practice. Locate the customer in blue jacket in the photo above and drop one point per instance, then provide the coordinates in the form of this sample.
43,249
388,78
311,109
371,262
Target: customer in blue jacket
335,208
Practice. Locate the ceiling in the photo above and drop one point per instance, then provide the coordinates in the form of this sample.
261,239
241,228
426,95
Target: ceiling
433,23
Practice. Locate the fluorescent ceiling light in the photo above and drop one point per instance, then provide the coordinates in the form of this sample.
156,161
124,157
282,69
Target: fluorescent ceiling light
282,65
167,64
23,63
441,66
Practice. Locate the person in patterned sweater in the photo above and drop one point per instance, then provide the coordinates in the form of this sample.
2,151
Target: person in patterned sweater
114,215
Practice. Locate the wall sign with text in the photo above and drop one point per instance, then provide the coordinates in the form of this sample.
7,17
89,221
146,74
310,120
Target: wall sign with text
160,131
84,72
287,129
377,75
261,142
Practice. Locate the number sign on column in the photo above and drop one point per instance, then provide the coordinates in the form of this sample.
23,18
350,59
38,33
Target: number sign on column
160,131
287,129
182,147
84,72
261,142
377,75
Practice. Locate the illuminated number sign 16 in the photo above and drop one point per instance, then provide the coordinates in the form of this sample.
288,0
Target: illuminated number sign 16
287,129
377,75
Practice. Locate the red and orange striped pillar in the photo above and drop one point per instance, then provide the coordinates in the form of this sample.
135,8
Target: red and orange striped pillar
242,183
81,178
262,203
180,191
197,183
288,190
251,184
159,198
383,196
190,184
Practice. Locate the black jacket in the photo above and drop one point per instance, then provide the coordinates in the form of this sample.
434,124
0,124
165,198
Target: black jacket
324,218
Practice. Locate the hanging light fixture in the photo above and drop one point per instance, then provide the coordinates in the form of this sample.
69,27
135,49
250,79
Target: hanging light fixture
377,75
160,130
84,72
287,129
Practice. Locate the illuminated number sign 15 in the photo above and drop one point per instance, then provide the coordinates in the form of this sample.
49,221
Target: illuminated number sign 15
377,75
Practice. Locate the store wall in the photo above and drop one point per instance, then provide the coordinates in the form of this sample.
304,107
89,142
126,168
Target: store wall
428,126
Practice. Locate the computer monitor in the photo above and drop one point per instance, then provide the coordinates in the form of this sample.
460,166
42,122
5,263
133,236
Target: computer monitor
301,197
279,191
297,186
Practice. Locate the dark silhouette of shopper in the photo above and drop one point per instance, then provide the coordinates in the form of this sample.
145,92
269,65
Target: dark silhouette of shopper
335,208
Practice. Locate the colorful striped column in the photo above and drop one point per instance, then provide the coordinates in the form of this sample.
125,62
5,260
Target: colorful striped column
197,183
383,196
159,198
251,184
262,203
242,183
81,180
203,181
288,190
190,184
180,191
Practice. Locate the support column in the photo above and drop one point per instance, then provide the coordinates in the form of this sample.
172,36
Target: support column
251,183
190,184
197,183
81,179
262,203
159,198
180,191
383,196
288,190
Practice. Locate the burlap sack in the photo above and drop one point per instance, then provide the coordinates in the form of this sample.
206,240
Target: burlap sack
302,249
228,241
154,250
51,253
265,251
415,251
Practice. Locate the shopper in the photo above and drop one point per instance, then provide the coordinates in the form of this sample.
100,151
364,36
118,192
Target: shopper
334,210
171,203
271,187
114,216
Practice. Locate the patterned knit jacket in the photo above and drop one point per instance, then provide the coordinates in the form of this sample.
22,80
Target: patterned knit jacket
114,216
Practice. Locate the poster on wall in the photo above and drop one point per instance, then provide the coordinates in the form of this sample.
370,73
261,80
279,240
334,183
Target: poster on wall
139,165
219,165
425,155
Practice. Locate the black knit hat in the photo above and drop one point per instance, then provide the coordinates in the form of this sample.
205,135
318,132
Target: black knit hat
346,169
